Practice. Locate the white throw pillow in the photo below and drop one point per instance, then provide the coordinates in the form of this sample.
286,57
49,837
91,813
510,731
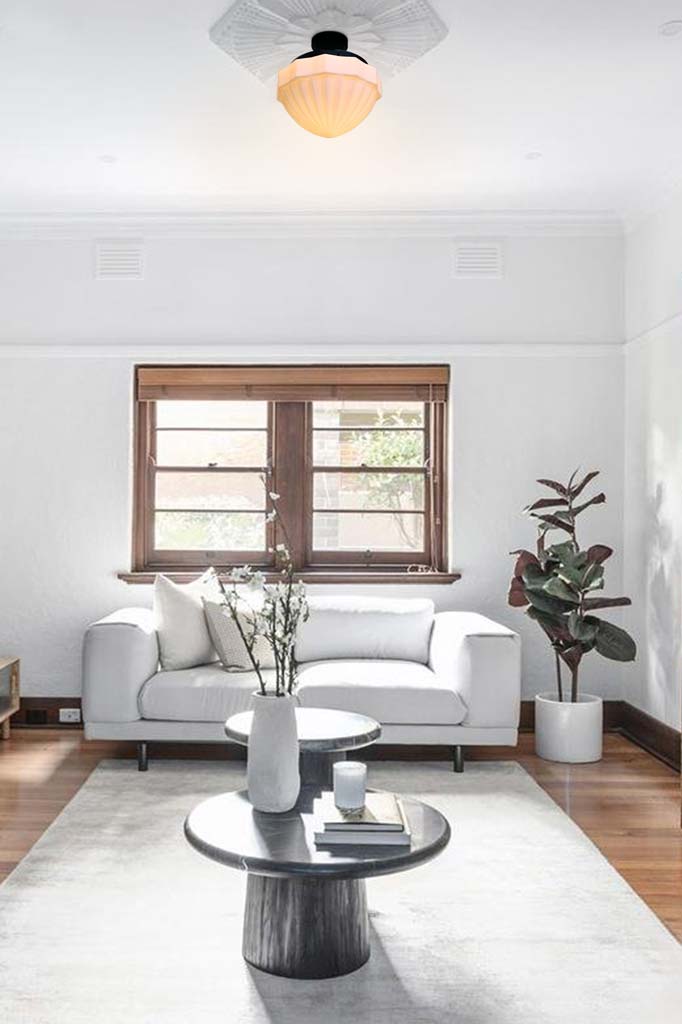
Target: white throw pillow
180,623
227,639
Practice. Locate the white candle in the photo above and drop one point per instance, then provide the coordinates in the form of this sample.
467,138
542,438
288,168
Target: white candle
350,779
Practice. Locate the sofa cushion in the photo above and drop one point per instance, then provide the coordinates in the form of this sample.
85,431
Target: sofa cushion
392,692
180,623
366,627
203,694
228,641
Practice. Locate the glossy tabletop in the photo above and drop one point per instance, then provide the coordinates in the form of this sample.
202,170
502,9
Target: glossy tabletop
227,829
320,730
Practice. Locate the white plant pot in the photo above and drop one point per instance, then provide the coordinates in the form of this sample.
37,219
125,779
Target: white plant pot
272,762
568,732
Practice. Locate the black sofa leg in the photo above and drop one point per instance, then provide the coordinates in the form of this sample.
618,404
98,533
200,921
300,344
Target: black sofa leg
142,761
457,759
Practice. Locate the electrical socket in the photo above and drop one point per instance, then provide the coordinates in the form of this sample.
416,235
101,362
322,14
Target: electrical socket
70,715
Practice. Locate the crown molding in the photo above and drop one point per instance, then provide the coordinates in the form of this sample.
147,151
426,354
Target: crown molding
310,224
291,352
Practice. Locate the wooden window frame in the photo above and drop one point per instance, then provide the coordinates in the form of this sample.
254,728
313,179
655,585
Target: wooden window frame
290,392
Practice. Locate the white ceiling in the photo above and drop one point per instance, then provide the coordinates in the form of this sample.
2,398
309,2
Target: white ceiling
126,105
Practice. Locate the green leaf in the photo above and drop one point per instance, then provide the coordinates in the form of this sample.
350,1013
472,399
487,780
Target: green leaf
534,578
579,488
614,643
571,575
583,628
556,587
546,603
553,625
565,552
593,577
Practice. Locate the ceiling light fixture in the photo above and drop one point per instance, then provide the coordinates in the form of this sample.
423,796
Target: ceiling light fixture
670,28
328,90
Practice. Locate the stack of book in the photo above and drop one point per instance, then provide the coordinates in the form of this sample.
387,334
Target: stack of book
381,822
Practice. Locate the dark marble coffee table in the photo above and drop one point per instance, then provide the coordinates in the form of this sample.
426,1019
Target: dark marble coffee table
306,908
324,736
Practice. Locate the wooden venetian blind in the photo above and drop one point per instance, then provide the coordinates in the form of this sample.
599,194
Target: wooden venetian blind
422,383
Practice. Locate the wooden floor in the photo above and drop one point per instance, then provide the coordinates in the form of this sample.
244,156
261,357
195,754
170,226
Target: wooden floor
628,804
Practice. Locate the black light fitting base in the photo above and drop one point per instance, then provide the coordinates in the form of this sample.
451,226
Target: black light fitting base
332,42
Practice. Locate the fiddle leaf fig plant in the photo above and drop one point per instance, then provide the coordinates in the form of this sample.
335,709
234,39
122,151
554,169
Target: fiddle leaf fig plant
560,585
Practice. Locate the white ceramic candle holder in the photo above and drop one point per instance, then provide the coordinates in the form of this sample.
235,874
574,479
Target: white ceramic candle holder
350,781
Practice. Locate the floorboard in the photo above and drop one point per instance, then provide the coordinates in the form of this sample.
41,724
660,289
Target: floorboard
628,804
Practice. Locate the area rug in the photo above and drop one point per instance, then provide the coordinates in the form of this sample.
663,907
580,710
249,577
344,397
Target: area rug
113,918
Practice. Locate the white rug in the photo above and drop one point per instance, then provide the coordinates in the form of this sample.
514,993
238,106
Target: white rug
112,918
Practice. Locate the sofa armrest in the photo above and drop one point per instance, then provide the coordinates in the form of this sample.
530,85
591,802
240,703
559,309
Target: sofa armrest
120,652
482,660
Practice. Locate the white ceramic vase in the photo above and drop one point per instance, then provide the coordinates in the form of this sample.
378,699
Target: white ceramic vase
272,762
567,731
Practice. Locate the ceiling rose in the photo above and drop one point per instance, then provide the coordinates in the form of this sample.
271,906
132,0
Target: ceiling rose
262,35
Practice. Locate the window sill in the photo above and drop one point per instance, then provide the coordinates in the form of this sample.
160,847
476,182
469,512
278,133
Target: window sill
318,577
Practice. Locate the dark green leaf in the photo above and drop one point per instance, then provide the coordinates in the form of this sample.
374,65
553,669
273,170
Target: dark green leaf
555,486
556,587
572,656
564,552
583,629
614,643
599,553
593,577
553,625
579,488
517,593
524,559
571,575
545,603
534,578
554,521
598,499
592,603
546,503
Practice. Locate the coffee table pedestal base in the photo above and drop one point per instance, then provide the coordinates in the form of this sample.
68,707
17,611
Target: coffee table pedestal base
306,927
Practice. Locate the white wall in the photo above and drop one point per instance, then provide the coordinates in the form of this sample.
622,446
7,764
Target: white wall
518,413
653,460
368,290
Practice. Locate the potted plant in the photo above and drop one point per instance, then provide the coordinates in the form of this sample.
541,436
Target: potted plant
559,587
272,762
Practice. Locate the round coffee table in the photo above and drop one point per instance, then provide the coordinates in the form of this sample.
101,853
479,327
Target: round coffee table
324,736
306,907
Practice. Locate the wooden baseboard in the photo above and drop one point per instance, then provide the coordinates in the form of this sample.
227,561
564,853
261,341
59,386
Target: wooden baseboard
658,739
43,712
647,732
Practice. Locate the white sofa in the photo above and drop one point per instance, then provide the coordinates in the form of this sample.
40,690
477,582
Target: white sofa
447,678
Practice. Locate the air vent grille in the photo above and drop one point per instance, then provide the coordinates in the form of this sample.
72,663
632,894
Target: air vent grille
119,259
478,260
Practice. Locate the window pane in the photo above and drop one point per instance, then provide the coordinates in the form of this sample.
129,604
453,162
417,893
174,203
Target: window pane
210,490
204,447
368,414
392,491
353,531
369,448
211,414
223,531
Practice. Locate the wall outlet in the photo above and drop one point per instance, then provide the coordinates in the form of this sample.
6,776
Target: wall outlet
70,715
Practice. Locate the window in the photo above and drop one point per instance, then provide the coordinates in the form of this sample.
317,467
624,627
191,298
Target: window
356,455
